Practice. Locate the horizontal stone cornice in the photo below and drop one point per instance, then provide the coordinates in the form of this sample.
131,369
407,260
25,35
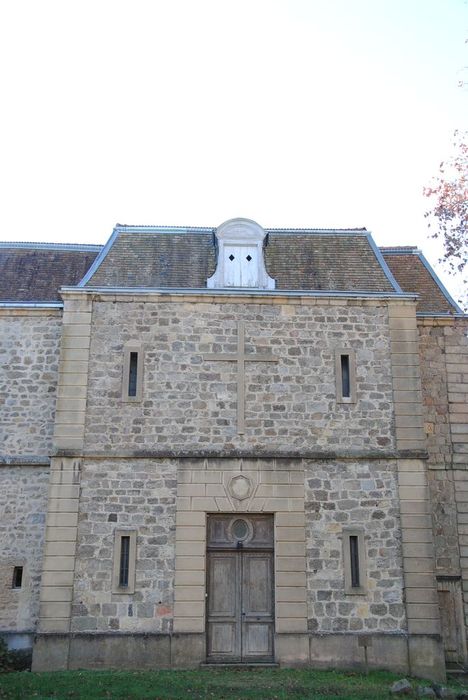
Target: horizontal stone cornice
246,454
451,320
32,310
24,461
148,635
223,296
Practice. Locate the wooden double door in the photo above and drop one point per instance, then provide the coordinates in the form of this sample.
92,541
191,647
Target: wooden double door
240,592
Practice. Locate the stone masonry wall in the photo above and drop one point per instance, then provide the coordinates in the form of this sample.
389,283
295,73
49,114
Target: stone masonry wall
362,495
189,403
28,380
137,495
444,520
456,351
443,345
444,373
435,394
23,504
141,495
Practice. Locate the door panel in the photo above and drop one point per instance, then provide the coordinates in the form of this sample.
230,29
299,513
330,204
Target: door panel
223,638
224,606
249,267
257,606
240,621
256,584
448,618
223,577
257,642
232,277
240,266
452,619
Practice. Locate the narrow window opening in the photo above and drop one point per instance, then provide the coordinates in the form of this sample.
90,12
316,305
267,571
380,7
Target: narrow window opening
124,560
132,374
345,377
17,577
354,561
123,570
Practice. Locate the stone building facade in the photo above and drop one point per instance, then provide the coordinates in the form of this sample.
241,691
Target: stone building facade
232,445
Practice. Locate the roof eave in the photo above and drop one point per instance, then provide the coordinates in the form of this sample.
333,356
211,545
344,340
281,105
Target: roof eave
241,291
31,304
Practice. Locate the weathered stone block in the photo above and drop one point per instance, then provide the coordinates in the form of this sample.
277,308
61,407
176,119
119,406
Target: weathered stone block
426,657
50,652
292,649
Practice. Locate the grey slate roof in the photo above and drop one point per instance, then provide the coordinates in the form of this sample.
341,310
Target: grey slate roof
296,259
344,260
157,260
413,273
34,272
325,261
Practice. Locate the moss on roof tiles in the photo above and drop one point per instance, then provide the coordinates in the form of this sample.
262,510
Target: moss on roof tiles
157,260
413,276
325,262
36,274
296,261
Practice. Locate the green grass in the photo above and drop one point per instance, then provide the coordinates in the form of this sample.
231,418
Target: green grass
219,684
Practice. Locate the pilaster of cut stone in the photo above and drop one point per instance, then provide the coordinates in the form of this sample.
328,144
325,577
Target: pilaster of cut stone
461,500
456,359
60,545
73,373
64,485
418,550
407,396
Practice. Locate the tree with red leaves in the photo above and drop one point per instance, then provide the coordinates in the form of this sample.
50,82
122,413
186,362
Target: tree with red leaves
450,209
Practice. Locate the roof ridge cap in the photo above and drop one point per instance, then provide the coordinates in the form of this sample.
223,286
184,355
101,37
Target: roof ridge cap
39,245
400,248
360,229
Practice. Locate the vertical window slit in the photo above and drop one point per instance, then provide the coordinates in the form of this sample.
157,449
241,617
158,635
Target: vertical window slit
17,577
345,378
132,374
354,560
124,560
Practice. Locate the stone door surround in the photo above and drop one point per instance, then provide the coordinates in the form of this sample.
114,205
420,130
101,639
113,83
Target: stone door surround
249,486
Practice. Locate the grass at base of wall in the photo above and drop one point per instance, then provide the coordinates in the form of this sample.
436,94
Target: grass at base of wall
217,684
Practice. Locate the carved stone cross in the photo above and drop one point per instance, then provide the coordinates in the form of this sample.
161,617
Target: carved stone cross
241,358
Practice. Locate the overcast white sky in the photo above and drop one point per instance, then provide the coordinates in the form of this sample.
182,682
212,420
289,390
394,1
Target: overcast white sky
309,113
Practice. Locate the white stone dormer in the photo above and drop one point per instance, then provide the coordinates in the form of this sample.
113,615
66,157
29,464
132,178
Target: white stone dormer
240,257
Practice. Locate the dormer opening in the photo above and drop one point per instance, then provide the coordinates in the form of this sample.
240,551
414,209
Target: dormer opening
241,266
240,261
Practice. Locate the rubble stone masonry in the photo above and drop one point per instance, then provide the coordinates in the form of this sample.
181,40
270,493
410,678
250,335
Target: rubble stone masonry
29,354
135,495
443,349
443,345
189,403
363,495
23,505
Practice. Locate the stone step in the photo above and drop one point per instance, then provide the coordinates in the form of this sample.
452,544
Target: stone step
240,666
457,672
